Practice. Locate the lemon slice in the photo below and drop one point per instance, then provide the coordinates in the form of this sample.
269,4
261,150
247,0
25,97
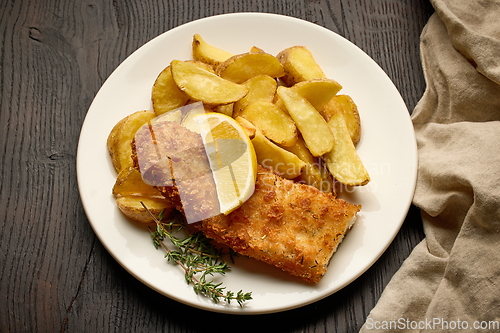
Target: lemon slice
232,159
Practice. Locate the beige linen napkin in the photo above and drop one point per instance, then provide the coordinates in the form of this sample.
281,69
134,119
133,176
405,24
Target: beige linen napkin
451,280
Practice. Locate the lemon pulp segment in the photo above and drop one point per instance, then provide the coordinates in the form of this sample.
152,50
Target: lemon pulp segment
232,159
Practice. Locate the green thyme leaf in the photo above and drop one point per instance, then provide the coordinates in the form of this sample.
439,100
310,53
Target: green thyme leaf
198,257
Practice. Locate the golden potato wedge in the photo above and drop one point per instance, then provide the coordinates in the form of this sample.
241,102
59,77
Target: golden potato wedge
202,85
318,177
260,87
256,49
190,111
328,183
299,65
183,115
308,120
226,109
270,155
132,208
318,92
202,65
244,66
312,174
208,108
129,182
211,55
249,128
346,105
121,136
300,149
272,121
343,161
172,115
165,94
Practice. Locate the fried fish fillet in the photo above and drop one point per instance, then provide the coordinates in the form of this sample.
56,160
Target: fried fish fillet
292,226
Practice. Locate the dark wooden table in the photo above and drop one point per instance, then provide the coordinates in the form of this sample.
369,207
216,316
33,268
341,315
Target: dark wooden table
54,273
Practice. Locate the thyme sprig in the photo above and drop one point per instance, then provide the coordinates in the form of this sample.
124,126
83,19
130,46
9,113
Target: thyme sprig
197,257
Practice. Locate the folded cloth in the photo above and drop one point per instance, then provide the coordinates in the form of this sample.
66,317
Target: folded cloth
451,280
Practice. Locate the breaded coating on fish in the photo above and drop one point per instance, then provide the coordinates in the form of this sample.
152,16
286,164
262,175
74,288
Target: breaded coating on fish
292,226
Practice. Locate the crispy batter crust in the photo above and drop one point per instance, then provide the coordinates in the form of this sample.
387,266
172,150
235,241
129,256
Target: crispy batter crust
292,226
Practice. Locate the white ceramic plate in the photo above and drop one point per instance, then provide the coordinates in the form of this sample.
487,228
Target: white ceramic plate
387,148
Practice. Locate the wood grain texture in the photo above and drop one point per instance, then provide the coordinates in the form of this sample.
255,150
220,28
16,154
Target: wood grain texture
54,273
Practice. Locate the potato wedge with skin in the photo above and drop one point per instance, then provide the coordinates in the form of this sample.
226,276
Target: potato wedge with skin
270,155
226,109
132,208
190,111
308,120
328,184
244,66
299,65
183,115
260,87
247,126
209,54
318,177
202,85
129,182
318,92
256,49
312,174
208,108
272,121
343,161
165,94
346,105
202,65
121,136
172,115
